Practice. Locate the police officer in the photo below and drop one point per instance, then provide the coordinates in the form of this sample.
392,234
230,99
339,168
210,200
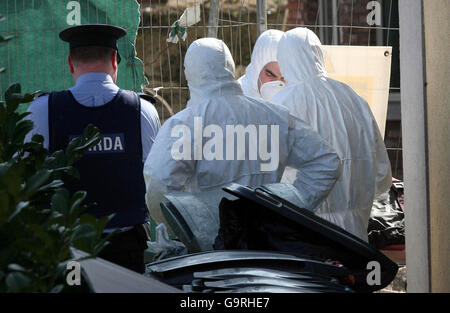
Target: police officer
111,172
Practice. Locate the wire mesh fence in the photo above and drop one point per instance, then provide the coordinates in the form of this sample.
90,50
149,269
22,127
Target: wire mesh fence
337,22
163,62
237,22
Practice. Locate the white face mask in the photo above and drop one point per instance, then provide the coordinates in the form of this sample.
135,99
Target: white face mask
270,89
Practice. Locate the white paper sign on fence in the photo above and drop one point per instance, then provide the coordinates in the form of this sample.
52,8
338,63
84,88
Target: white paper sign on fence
367,70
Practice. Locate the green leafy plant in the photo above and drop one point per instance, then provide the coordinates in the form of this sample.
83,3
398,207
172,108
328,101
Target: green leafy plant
39,219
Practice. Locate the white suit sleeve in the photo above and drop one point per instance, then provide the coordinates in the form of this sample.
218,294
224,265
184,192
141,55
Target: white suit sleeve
384,176
318,166
162,173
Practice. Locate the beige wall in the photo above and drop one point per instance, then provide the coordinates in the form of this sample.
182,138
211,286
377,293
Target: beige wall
436,14
415,156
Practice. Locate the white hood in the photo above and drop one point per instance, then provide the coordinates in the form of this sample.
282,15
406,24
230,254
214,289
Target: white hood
209,69
217,100
300,56
264,51
344,120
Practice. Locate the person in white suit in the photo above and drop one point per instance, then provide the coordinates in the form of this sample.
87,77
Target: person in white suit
262,78
344,120
195,150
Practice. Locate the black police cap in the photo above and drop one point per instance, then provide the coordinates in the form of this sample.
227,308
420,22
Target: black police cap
93,35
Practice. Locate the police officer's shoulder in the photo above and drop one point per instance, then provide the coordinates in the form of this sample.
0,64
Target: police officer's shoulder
39,105
147,97
149,111
40,98
41,93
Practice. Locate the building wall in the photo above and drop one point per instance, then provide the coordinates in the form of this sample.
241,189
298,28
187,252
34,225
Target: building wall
355,13
350,12
302,12
437,47
415,160
424,33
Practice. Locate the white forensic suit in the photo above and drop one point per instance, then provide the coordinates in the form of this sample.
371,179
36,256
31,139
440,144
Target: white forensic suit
264,52
344,120
217,105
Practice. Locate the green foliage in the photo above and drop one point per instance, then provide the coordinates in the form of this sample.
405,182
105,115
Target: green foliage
39,219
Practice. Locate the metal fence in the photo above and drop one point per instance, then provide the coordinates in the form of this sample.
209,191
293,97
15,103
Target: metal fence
234,22
239,22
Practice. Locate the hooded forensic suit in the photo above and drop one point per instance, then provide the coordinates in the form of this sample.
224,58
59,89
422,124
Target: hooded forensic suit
217,105
264,52
344,120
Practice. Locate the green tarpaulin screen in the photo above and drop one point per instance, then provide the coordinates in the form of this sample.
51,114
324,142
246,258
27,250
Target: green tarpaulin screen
36,57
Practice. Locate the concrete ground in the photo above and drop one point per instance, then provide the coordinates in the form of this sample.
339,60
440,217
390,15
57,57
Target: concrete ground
398,285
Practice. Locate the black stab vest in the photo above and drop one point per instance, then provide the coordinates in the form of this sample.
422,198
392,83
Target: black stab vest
112,171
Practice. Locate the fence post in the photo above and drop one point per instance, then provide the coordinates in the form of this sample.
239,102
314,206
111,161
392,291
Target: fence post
321,21
261,23
334,8
213,21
